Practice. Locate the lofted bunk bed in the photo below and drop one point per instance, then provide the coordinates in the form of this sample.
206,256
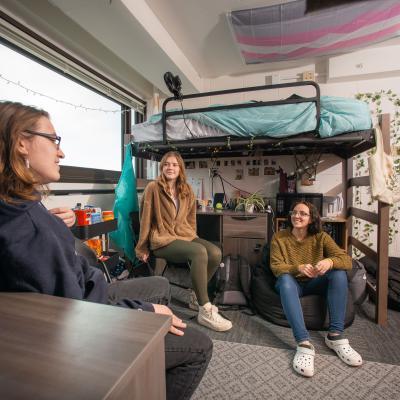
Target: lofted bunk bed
294,125
332,124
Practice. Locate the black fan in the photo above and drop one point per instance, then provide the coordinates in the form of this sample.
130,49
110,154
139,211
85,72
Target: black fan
174,84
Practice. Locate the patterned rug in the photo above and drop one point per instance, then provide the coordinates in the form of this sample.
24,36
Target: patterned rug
243,371
374,343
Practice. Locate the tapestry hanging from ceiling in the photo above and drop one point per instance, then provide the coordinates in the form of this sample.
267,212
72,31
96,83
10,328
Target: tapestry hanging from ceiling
286,32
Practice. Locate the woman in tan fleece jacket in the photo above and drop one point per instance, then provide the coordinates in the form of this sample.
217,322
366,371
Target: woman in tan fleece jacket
306,260
168,229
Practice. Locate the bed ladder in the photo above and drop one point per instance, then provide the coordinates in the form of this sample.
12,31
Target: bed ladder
381,257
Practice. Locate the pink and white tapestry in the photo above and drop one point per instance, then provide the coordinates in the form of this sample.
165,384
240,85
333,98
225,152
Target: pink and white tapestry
286,32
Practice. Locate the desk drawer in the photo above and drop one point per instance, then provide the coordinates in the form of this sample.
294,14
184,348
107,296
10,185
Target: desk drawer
251,226
251,249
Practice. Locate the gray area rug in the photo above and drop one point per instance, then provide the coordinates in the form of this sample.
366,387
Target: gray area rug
242,371
373,342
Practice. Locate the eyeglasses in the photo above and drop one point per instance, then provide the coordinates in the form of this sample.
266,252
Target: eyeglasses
54,138
301,214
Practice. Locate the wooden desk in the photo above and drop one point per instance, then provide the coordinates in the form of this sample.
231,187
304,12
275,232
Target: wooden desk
235,232
56,348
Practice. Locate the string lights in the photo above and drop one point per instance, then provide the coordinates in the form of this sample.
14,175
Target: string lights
76,106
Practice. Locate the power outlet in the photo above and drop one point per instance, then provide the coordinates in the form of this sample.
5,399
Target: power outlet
308,76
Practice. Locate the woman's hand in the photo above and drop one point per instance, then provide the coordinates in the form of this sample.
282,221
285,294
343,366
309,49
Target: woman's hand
323,266
176,322
307,270
144,257
65,214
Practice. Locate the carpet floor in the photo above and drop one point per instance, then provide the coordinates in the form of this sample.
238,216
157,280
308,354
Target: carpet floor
254,359
242,371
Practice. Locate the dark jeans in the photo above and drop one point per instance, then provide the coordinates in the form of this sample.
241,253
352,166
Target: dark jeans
332,285
187,356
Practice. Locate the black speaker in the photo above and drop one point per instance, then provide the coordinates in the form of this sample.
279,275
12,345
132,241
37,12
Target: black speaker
218,198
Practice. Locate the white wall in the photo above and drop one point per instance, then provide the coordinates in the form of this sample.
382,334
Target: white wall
374,75
329,179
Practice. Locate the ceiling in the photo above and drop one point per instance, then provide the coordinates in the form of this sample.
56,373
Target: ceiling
135,41
201,31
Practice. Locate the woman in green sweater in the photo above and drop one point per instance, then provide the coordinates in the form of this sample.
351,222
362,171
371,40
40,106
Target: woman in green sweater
306,261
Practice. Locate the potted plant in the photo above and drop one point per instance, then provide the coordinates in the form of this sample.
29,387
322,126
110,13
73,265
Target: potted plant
251,203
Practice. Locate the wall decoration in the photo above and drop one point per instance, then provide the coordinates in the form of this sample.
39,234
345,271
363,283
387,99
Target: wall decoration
273,162
248,162
226,163
233,163
269,171
364,231
239,175
254,171
266,162
283,32
190,164
238,162
197,186
203,164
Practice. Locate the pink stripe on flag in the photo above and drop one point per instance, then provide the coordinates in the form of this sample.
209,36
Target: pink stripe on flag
360,21
307,51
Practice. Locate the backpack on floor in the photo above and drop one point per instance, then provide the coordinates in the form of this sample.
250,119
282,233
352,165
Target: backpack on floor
233,282
357,278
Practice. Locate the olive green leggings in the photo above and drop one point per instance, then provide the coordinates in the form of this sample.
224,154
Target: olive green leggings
203,256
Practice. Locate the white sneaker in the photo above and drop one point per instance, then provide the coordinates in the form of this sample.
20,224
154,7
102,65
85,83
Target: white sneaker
209,317
193,303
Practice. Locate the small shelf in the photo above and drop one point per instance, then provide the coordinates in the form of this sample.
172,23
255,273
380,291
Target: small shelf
85,232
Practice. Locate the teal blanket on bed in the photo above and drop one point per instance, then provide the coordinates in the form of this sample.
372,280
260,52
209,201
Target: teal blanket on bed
338,115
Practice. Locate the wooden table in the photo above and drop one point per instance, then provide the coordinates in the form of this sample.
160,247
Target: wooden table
55,348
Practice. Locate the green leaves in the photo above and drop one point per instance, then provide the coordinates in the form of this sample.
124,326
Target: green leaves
361,167
254,199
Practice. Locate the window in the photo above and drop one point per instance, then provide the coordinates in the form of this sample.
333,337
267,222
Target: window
89,123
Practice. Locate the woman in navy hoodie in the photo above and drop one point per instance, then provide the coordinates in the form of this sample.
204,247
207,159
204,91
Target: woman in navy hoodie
37,250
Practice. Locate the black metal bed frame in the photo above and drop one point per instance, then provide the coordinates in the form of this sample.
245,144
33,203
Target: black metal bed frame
344,145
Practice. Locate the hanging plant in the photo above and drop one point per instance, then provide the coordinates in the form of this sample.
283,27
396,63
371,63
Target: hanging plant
361,165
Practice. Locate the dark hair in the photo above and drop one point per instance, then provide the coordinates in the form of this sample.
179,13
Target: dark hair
16,180
181,184
315,226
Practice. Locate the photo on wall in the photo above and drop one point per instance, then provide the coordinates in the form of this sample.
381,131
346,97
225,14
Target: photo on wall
239,175
266,162
203,164
190,164
254,171
269,171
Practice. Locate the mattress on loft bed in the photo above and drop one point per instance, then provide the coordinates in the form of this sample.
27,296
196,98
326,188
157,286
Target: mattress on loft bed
338,115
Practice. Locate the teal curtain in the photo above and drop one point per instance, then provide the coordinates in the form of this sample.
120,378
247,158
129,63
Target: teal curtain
126,201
